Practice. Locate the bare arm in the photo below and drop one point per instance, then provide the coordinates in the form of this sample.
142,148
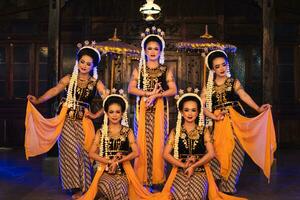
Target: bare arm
51,92
102,91
167,152
132,87
245,97
172,88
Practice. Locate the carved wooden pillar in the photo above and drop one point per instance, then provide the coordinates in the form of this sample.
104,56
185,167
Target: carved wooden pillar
53,41
53,56
268,50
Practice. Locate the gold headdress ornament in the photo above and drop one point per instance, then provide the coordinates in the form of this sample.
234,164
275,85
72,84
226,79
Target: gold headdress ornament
124,122
155,32
158,33
88,45
210,83
71,95
182,95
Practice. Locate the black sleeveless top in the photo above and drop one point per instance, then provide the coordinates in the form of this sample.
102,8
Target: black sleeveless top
157,75
192,144
118,145
84,96
224,95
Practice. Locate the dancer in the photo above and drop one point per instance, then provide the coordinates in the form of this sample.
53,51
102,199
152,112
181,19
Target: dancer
233,134
76,130
192,146
151,83
112,146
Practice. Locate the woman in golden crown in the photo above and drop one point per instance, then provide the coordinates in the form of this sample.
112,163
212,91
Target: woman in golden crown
113,145
152,82
76,130
233,133
192,148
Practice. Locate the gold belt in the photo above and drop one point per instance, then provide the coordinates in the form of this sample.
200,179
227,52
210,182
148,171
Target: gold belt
224,106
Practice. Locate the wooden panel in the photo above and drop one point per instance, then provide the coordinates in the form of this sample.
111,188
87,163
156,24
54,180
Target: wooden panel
15,132
3,132
288,132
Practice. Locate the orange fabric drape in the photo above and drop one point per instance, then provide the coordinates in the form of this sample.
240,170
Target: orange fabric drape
137,192
256,135
41,133
89,133
140,164
223,145
93,189
158,143
213,192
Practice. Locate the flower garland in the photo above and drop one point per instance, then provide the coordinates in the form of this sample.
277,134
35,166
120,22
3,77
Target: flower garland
104,137
210,84
179,98
71,93
142,64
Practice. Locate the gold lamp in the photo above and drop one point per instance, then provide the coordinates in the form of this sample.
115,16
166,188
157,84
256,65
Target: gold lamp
150,11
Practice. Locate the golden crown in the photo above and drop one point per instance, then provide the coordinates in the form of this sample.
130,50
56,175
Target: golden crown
189,90
153,31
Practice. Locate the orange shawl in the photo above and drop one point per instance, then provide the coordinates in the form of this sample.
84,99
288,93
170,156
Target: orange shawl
256,135
41,133
135,191
140,164
138,192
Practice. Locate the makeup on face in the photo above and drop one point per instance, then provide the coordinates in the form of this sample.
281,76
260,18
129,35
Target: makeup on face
152,50
114,113
220,66
85,64
190,111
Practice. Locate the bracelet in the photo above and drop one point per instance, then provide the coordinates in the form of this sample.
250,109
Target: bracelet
39,100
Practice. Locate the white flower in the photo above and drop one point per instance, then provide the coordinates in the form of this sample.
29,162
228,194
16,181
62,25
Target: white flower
79,45
181,91
113,91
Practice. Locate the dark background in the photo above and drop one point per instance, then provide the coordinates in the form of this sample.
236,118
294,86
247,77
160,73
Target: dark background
27,39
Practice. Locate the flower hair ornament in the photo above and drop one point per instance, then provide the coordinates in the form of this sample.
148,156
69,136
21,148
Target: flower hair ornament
182,95
210,82
153,32
71,94
104,137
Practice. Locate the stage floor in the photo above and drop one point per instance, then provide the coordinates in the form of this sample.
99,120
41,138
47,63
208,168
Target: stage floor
37,179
